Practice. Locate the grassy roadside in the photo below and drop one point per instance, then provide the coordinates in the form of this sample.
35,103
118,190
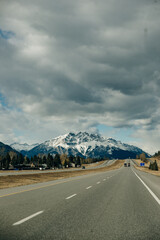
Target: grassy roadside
21,180
146,168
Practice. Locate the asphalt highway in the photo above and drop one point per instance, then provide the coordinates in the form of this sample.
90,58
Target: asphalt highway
113,205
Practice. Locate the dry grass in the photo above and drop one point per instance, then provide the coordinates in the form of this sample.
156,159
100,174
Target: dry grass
20,180
139,161
146,168
157,159
93,164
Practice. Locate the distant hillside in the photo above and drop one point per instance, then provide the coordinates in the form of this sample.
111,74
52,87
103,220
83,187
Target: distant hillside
7,154
86,145
23,148
157,154
4,149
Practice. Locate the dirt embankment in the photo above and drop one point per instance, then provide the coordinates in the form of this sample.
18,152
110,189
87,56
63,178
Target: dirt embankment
146,168
20,180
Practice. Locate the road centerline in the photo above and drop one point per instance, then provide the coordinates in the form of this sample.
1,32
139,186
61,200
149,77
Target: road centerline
149,190
71,196
27,218
88,187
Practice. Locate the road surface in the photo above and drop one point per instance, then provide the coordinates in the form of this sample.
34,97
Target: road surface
114,205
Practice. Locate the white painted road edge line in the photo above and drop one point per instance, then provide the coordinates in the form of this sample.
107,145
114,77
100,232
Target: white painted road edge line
27,218
150,191
71,196
88,187
98,182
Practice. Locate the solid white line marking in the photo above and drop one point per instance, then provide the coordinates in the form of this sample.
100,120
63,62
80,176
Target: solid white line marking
89,187
27,218
152,193
98,182
71,196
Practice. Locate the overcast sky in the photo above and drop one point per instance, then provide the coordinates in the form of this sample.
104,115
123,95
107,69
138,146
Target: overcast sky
70,65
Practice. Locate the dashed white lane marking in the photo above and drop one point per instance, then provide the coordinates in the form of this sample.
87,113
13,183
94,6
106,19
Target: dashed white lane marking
27,218
104,179
150,191
88,187
98,182
71,196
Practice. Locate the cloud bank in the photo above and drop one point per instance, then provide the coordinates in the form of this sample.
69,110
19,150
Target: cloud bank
72,65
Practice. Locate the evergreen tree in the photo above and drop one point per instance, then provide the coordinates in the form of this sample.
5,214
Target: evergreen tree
31,159
8,160
78,161
14,161
154,166
20,159
71,159
50,162
44,160
35,159
57,160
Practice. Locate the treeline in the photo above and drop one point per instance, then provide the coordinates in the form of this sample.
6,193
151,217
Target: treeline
153,166
10,159
142,157
157,154
46,161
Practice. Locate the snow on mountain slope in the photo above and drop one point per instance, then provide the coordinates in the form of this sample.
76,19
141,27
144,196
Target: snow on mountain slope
23,147
86,145
83,140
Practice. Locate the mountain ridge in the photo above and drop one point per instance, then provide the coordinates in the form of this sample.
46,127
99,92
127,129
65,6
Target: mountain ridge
23,146
85,145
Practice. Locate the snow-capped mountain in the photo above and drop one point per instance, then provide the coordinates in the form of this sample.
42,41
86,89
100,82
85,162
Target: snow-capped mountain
86,145
23,147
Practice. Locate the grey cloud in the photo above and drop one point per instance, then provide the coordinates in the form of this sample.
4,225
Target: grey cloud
98,59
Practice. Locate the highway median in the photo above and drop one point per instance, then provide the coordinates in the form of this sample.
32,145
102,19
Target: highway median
27,179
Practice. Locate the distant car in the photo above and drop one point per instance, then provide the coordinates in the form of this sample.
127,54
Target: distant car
41,168
125,164
128,164
83,167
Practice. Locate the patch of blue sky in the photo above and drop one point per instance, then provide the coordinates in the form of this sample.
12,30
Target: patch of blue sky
18,133
6,34
122,134
3,100
5,105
